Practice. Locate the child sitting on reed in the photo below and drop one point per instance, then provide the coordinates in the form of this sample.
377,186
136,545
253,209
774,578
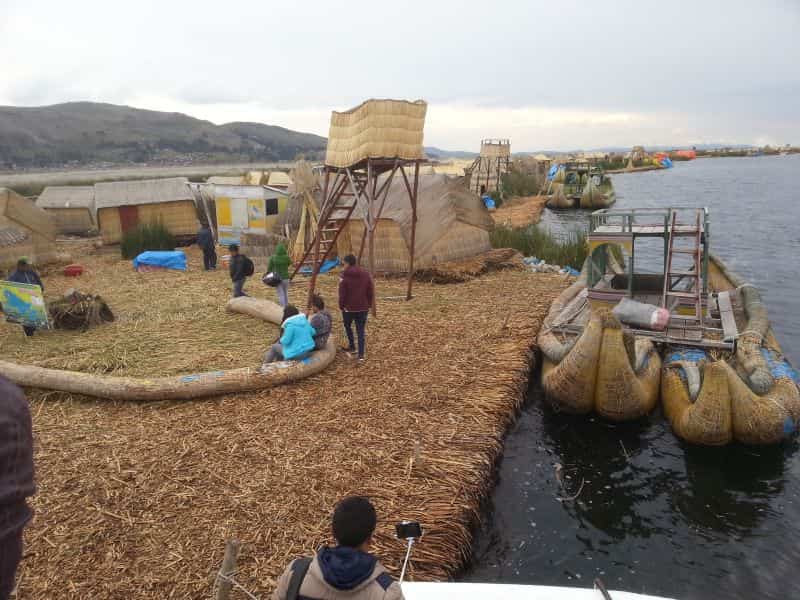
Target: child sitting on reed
297,337
321,321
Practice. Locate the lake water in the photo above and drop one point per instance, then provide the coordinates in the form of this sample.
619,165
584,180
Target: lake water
650,513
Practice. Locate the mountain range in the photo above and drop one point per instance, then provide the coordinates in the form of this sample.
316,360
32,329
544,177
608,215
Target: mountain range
82,133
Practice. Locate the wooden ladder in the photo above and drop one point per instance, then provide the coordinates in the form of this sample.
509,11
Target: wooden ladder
673,277
333,218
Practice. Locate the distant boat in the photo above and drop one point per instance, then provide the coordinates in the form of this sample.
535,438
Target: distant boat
577,185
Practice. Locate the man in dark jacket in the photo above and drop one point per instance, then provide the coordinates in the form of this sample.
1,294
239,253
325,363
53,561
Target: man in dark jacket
205,240
25,273
356,294
237,270
16,479
347,571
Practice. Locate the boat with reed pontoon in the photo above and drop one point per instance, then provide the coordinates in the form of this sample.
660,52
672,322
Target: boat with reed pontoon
695,336
578,185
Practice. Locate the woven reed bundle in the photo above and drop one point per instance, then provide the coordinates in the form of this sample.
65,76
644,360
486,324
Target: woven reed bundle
158,487
376,129
77,310
520,212
558,198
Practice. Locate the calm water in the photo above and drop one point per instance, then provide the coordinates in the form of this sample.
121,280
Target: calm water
653,514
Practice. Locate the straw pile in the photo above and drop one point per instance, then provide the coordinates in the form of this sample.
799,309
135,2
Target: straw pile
465,270
136,500
520,212
77,310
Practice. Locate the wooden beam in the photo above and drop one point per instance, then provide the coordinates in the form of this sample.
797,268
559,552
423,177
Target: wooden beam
413,231
228,568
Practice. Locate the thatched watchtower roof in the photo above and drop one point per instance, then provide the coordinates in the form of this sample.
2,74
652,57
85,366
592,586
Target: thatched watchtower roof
377,129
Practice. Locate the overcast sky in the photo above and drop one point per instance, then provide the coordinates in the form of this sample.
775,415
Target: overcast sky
549,75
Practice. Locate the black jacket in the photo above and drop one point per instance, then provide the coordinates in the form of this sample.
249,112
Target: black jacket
16,458
205,239
237,267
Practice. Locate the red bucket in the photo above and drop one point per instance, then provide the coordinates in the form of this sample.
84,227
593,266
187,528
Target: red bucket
73,270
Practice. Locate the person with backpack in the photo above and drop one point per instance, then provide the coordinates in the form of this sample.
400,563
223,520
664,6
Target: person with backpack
297,337
279,265
241,267
321,321
347,571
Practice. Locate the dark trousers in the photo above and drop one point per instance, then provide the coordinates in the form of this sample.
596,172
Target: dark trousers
209,258
238,288
360,319
29,331
10,555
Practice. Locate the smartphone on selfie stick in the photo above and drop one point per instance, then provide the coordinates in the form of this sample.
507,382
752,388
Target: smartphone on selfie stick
410,531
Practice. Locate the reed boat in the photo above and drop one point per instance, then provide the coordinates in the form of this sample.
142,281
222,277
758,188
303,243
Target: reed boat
696,336
578,185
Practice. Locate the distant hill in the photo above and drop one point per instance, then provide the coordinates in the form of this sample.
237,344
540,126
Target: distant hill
82,133
438,153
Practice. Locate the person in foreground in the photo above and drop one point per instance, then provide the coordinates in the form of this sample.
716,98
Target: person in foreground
297,337
279,264
241,268
205,240
16,479
347,570
321,322
25,273
356,294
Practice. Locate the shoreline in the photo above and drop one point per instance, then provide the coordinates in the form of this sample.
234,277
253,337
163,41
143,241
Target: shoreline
636,169
161,485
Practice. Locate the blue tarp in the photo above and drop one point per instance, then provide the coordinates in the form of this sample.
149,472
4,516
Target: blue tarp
172,259
488,201
778,366
552,172
666,162
326,266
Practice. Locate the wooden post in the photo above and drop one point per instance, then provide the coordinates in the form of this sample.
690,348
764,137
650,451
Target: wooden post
223,586
413,230
315,256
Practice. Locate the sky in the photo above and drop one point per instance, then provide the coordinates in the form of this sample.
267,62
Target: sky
548,75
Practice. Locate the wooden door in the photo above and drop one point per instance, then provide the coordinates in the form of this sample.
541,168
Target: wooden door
128,217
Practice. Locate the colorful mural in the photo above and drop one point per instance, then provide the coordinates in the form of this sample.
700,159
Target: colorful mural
23,303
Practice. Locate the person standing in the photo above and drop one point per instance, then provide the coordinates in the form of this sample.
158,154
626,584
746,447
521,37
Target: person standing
240,268
356,294
279,264
205,239
25,273
16,480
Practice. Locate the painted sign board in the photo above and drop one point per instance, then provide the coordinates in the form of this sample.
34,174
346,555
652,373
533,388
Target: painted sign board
24,304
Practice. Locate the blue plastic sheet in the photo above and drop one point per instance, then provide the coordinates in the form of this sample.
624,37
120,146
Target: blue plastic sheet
552,172
666,162
688,354
172,259
488,201
326,266
779,367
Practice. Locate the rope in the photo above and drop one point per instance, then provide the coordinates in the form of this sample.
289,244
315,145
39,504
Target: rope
235,583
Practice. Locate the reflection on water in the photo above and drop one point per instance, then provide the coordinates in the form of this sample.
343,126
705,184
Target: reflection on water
579,498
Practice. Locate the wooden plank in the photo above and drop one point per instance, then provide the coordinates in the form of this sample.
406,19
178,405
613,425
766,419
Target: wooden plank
730,331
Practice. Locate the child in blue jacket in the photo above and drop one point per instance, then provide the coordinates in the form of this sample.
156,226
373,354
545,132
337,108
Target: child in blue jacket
297,337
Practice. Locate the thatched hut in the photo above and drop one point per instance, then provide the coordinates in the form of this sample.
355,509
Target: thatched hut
123,205
72,206
25,230
452,224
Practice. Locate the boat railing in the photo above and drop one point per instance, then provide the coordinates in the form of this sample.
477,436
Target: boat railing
627,219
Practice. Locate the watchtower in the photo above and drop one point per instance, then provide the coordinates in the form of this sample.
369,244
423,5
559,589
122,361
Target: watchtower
486,172
367,147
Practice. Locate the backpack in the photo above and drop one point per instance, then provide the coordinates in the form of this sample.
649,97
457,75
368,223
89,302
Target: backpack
248,266
299,570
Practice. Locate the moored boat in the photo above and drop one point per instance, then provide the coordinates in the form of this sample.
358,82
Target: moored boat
578,185
696,336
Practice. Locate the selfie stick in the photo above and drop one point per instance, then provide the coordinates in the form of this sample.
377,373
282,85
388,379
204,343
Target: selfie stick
405,562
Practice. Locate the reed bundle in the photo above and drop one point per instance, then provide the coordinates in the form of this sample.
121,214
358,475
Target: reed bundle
136,499
520,212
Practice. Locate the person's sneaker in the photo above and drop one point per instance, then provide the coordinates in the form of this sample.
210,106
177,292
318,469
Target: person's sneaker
361,359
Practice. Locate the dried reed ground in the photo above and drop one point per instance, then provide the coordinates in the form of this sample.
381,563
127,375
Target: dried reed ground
137,500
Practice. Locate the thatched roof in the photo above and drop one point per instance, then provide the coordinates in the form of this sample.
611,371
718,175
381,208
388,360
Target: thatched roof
442,201
67,196
279,178
377,129
226,180
150,191
22,212
11,236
